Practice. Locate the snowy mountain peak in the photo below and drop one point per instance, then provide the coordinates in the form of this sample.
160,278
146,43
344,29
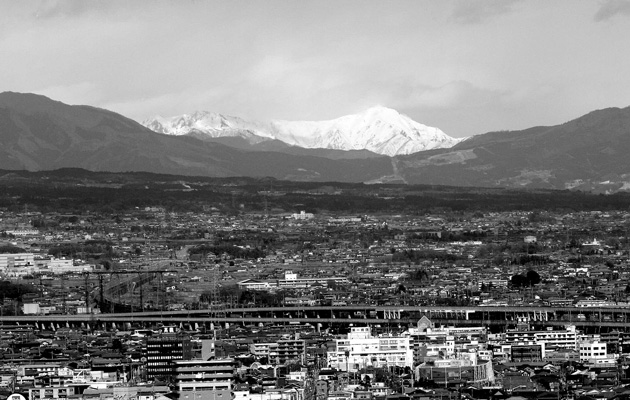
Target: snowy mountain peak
379,129
209,124
379,111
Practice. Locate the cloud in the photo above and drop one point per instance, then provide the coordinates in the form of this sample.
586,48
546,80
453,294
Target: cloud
77,93
48,9
452,95
611,8
477,11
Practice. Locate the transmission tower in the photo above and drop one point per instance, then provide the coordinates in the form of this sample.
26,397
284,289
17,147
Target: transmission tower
217,308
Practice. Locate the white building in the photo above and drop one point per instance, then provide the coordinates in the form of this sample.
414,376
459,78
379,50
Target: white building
22,232
361,350
10,260
530,239
595,303
18,264
58,266
291,280
303,216
549,339
268,394
592,350
205,380
449,341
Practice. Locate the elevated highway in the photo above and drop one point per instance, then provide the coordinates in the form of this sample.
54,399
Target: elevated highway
497,318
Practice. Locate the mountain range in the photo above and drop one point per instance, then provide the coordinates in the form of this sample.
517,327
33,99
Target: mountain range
380,130
587,153
37,133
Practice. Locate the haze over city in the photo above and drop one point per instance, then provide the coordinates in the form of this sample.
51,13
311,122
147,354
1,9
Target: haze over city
467,67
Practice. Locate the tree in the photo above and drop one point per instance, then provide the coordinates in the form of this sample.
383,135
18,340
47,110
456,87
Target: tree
519,281
107,264
11,249
419,274
533,277
11,290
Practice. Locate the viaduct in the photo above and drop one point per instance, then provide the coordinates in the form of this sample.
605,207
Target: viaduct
496,318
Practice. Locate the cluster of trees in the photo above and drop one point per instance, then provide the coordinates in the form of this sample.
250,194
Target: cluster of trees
229,249
91,249
11,249
419,275
532,259
417,256
14,291
60,192
529,279
43,223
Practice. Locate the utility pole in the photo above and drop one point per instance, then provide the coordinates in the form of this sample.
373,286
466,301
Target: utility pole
141,299
87,300
100,289
65,296
266,206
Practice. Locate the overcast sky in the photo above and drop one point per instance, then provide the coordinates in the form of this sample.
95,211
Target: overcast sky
467,67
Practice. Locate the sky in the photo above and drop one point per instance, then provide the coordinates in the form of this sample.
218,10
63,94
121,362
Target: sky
465,66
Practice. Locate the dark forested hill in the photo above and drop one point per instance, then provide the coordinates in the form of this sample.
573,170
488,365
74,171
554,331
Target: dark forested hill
590,152
37,133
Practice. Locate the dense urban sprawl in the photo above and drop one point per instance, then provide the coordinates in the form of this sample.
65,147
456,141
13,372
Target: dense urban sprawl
150,260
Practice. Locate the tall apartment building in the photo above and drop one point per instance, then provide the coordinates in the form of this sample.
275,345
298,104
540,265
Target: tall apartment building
17,264
281,351
161,352
204,379
548,339
288,350
429,343
361,350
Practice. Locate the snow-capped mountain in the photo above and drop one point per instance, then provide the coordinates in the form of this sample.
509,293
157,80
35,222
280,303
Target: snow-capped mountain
378,129
211,124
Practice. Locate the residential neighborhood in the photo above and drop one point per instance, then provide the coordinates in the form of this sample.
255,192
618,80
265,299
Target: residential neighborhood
83,265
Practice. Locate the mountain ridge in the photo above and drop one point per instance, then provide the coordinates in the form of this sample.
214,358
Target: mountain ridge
378,129
588,153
